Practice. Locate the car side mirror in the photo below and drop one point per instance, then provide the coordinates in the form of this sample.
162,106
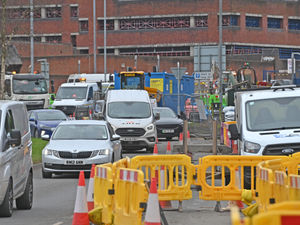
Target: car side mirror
31,119
233,132
52,97
115,137
45,137
157,116
15,137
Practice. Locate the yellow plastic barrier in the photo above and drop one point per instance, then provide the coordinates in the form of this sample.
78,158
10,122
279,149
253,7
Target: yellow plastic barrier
129,194
281,188
285,213
122,163
231,170
236,217
103,184
174,174
294,188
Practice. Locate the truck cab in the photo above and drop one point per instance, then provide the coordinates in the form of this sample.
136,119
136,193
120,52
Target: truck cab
31,89
71,95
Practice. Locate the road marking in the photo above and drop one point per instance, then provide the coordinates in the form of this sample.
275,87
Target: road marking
59,223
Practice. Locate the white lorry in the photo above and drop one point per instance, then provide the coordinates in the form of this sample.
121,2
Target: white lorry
267,121
130,114
31,89
72,95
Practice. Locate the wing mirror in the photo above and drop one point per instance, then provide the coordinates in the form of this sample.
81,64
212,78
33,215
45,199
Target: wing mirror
115,137
157,116
233,132
15,138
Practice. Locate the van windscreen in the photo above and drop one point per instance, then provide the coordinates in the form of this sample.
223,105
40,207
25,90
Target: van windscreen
127,110
71,93
273,114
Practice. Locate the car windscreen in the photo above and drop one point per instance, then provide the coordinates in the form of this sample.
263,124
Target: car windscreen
51,115
127,110
273,114
165,113
71,93
38,86
80,132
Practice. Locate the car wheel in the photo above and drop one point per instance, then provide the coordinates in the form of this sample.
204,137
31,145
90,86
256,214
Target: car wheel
25,201
46,174
36,133
150,149
6,208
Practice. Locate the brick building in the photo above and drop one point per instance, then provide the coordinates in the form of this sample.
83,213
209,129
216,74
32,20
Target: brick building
262,32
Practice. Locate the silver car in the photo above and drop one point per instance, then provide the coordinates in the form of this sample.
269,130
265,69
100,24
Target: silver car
77,144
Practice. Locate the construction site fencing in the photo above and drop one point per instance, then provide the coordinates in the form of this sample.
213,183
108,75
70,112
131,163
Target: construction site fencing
174,174
130,193
103,187
224,177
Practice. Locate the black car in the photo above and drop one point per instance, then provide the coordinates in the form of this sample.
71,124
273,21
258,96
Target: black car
169,125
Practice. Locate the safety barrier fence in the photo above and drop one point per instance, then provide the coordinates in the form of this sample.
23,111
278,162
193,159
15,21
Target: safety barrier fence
120,191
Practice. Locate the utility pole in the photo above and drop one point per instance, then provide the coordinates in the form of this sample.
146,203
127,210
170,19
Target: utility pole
94,34
178,88
220,52
31,38
104,23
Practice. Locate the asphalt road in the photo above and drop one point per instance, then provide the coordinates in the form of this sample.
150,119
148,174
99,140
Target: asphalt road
54,201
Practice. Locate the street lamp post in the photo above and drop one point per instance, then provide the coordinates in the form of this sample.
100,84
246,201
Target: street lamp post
31,38
220,52
94,35
294,63
104,44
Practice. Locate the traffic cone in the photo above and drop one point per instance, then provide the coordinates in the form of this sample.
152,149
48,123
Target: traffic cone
152,216
90,194
181,138
163,185
81,216
169,148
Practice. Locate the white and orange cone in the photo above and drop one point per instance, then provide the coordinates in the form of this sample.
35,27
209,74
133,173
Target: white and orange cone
181,138
163,185
90,193
155,152
169,148
81,216
152,216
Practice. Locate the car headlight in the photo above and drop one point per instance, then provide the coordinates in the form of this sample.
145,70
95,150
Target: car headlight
51,152
150,127
94,153
103,151
251,147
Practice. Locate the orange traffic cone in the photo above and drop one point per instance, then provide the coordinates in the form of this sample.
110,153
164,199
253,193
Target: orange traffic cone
152,216
155,151
181,136
90,194
81,216
163,185
188,135
169,148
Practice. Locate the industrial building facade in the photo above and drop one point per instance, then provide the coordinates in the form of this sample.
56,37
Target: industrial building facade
63,32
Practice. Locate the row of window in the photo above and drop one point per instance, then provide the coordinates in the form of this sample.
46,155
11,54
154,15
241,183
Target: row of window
49,39
184,22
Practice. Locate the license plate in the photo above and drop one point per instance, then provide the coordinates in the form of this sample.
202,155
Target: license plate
74,162
167,131
129,139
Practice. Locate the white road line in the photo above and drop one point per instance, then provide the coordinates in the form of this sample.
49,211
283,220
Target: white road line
59,223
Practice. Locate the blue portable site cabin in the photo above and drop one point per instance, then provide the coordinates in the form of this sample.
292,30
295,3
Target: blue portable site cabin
167,84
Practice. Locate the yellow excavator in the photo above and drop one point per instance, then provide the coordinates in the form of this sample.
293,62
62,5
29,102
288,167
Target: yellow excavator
136,80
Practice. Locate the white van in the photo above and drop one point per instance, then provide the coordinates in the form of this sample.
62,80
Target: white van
71,95
91,78
131,116
267,122
16,180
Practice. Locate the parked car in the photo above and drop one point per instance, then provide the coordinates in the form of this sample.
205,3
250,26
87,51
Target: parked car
169,125
77,144
16,180
44,121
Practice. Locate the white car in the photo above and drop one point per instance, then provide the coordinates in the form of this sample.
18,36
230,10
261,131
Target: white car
77,144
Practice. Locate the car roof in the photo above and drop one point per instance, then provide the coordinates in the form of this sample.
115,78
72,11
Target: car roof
128,96
78,84
84,122
45,110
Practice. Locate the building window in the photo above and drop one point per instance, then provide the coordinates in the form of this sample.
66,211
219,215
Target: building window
154,23
230,20
275,23
54,39
201,21
109,51
243,50
286,53
110,25
21,39
23,13
253,21
84,51
73,40
294,24
74,11
37,39
84,26
162,51
53,12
